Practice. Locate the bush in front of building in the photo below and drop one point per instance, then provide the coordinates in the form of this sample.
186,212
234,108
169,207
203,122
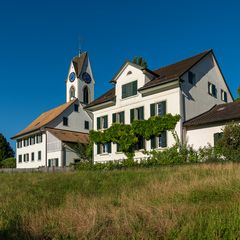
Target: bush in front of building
229,143
8,163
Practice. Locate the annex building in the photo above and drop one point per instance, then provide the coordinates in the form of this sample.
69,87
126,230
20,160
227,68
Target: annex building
194,88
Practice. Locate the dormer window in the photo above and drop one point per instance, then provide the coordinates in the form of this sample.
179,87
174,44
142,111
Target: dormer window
65,121
129,89
129,72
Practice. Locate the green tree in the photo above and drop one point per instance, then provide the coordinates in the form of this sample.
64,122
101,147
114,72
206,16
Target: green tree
5,149
229,143
238,93
140,61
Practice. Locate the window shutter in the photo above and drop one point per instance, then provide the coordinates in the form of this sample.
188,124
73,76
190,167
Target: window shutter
98,148
122,120
141,113
163,139
153,142
109,147
217,137
124,91
98,123
152,109
134,88
163,107
131,115
118,147
114,118
105,122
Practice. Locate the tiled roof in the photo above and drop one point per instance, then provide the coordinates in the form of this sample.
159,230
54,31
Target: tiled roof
166,74
108,96
45,118
78,62
174,71
219,113
69,136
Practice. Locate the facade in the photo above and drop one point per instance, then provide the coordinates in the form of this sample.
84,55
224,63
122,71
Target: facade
49,140
188,88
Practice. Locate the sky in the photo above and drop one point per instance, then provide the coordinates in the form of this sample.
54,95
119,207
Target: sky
38,39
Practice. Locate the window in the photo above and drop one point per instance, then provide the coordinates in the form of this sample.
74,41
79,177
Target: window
53,162
212,90
118,147
39,155
26,142
72,93
65,121
32,156
102,122
104,148
19,143
160,141
137,114
118,117
85,95
223,96
76,107
32,140
39,138
217,137
140,144
86,124
158,109
19,158
129,89
191,77
26,157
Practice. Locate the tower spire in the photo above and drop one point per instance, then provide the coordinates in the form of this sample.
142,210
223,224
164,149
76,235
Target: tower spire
80,43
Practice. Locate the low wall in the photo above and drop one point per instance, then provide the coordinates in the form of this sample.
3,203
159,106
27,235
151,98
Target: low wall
50,169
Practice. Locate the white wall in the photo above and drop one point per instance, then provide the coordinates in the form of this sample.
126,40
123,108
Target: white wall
202,136
196,97
173,106
29,149
75,120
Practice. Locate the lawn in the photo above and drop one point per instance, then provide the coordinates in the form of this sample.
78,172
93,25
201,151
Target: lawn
200,201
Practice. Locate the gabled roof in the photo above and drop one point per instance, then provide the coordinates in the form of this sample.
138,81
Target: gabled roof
174,71
78,62
219,113
162,75
69,136
108,96
45,118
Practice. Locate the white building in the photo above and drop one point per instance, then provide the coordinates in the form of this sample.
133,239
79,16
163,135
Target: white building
188,88
48,140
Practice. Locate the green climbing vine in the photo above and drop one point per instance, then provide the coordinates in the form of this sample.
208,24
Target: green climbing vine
127,135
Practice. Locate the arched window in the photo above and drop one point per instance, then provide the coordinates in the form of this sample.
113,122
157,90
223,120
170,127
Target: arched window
85,95
72,92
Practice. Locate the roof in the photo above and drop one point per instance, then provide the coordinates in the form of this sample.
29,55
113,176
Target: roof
174,71
78,62
69,136
45,118
163,75
219,113
108,96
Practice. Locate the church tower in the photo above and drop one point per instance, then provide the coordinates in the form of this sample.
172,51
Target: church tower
80,81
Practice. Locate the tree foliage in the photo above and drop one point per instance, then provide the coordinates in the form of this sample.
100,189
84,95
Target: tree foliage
5,149
127,135
140,61
229,144
81,150
238,93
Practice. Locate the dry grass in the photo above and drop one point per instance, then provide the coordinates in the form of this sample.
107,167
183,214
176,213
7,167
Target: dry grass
181,202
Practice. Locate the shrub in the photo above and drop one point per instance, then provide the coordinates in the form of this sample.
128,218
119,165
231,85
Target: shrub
8,163
229,144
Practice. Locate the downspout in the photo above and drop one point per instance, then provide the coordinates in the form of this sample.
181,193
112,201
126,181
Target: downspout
181,111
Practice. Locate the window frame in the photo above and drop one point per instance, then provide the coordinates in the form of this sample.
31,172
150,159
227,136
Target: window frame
130,89
224,96
191,78
76,107
118,117
20,158
212,90
39,155
32,156
86,125
102,122
65,121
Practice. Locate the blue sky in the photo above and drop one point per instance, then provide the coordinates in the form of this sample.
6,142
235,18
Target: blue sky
39,38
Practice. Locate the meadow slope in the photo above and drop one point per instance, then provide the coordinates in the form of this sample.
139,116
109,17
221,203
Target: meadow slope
180,202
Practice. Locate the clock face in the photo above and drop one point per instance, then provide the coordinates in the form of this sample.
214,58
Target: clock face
86,77
72,76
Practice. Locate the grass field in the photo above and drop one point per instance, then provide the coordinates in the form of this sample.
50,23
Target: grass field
180,202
